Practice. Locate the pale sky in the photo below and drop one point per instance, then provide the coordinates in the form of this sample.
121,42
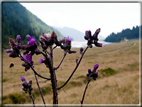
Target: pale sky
110,17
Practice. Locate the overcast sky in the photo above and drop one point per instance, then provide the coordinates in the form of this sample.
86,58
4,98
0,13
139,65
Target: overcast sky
110,17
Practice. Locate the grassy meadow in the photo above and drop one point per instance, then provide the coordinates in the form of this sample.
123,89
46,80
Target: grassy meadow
118,81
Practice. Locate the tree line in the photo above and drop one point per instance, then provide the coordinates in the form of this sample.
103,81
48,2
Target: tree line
124,34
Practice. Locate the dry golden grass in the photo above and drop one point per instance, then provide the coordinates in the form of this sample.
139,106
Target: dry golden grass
121,88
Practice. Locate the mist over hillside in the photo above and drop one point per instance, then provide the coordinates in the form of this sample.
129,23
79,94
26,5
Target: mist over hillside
74,34
71,32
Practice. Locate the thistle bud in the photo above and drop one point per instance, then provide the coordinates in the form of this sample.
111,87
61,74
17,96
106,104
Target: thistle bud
22,78
88,34
13,55
8,51
89,42
98,44
30,83
41,61
96,66
81,50
32,42
95,36
28,37
70,52
89,71
18,39
76,60
12,42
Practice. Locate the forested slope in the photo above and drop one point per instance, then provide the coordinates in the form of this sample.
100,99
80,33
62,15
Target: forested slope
17,20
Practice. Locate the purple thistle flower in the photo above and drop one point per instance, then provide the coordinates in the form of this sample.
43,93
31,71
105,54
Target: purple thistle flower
8,51
98,44
27,68
12,42
66,44
70,51
96,66
23,83
30,83
24,64
93,74
32,42
45,36
89,41
28,37
93,39
89,71
95,35
22,78
28,57
54,36
96,73
41,60
81,50
35,50
68,39
13,55
18,39
76,60
87,35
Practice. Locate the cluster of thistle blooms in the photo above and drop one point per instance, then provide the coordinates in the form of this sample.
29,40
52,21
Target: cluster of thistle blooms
93,74
27,87
92,39
49,39
31,48
45,42
15,50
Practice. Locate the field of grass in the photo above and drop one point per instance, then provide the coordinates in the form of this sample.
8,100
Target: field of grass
118,81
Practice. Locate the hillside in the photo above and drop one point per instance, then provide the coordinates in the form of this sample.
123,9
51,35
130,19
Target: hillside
17,20
124,34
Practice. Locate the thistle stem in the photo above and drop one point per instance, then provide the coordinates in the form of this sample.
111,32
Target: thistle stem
40,90
39,74
36,80
34,69
53,78
74,69
84,92
54,47
61,61
32,99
